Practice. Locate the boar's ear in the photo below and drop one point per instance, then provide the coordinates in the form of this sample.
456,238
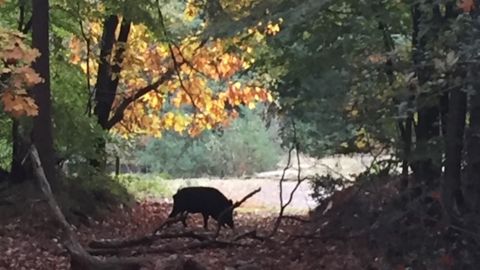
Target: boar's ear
230,202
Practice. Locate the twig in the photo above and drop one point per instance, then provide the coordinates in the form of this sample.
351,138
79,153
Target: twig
176,64
300,180
231,208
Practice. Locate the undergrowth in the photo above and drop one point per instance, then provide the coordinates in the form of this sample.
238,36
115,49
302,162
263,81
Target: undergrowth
144,186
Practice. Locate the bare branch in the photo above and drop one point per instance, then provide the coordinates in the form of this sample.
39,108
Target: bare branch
295,146
116,247
176,64
235,205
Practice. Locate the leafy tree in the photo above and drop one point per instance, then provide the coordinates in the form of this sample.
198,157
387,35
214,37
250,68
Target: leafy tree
244,147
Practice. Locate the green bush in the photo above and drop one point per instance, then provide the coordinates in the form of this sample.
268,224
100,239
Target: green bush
91,195
245,147
143,186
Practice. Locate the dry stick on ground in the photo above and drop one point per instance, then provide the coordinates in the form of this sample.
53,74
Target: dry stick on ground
169,221
231,208
295,146
144,240
142,250
80,259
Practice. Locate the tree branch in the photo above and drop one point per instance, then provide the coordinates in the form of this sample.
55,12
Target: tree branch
118,115
235,205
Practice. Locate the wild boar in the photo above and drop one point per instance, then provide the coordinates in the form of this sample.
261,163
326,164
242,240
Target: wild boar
205,200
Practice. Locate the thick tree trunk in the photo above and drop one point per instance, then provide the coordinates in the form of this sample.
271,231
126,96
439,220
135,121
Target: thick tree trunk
472,185
406,135
19,172
108,77
427,129
106,87
444,108
472,190
404,126
451,191
425,169
42,134
103,95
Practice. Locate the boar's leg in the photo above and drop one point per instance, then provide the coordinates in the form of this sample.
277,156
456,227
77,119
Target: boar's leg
175,212
205,221
184,219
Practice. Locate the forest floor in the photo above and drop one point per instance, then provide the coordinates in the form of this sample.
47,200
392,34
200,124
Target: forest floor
367,226
371,225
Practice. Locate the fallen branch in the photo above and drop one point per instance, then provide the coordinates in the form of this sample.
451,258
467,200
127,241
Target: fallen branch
80,259
231,208
163,249
170,221
144,240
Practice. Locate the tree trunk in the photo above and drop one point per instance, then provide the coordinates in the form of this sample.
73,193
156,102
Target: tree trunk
19,172
103,95
473,154
106,87
425,169
404,126
42,134
407,148
451,191
472,185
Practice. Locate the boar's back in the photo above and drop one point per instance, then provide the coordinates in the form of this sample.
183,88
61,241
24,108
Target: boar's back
201,200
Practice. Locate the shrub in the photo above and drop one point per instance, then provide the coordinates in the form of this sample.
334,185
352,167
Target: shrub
143,186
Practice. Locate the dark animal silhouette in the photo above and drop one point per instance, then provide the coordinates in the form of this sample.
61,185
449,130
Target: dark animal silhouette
205,200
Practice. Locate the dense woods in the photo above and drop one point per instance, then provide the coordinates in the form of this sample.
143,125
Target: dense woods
225,88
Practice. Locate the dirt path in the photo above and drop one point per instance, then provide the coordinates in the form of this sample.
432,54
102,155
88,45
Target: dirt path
343,166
